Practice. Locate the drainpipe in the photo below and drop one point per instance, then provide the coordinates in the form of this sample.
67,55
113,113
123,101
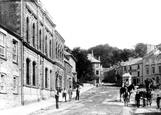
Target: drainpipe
22,55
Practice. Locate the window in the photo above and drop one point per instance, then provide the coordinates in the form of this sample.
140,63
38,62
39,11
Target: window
56,51
15,52
153,69
27,29
130,67
50,48
138,67
27,71
159,67
46,50
50,79
138,73
40,39
34,74
147,71
46,77
33,35
2,82
2,45
97,72
15,84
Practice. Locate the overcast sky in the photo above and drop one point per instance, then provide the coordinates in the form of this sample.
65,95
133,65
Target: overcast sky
120,23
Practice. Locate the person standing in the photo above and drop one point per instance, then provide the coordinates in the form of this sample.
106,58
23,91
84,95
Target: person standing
57,98
65,94
77,93
70,93
158,101
137,98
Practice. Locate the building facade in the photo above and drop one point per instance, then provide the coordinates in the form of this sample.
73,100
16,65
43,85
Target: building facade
134,66
152,67
10,68
97,67
40,67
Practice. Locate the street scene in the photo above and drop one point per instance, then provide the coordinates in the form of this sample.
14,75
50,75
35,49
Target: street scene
102,100
84,57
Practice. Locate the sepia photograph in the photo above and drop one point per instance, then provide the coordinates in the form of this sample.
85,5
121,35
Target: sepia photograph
80,57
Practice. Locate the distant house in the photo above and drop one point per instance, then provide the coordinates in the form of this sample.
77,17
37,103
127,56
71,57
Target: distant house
97,67
70,69
134,67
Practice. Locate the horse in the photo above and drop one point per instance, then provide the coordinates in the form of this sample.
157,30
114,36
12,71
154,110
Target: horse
149,97
126,98
122,90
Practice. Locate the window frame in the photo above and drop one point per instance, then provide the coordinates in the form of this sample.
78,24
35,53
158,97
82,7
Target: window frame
5,79
16,89
16,55
3,46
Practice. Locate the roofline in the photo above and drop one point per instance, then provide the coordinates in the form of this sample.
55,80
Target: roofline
57,33
11,32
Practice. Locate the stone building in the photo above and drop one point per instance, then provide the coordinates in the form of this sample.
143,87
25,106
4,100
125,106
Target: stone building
68,71
134,66
10,68
97,67
42,50
152,66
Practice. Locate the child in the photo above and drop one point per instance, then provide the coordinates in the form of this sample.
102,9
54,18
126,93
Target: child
158,101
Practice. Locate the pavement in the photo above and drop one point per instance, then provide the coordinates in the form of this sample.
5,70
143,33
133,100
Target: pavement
30,108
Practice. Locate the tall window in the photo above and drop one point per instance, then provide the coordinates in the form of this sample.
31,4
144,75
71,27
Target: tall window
2,82
15,52
56,51
33,34
147,70
15,84
46,77
159,67
34,74
46,50
51,79
97,72
27,71
40,39
138,67
27,29
50,49
2,45
153,69
138,73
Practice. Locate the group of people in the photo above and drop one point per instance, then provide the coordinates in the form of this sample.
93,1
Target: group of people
61,95
145,96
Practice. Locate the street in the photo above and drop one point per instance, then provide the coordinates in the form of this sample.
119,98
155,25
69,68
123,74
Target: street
103,100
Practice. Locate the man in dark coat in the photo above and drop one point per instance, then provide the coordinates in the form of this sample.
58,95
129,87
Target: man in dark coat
57,98
77,93
137,98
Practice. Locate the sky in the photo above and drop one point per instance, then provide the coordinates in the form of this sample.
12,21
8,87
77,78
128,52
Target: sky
119,23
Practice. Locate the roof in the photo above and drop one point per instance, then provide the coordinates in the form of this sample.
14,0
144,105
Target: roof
133,62
93,59
67,54
152,54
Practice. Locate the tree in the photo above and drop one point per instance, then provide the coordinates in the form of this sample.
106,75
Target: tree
84,67
140,49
